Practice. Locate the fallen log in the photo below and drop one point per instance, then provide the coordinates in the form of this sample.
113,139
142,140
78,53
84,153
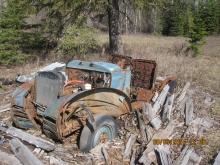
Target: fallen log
128,147
183,92
4,110
160,99
165,133
141,126
106,156
156,122
5,106
5,93
133,158
164,157
23,153
8,159
151,115
38,142
188,156
168,108
189,108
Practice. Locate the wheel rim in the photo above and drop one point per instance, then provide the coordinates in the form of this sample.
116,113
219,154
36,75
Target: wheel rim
102,135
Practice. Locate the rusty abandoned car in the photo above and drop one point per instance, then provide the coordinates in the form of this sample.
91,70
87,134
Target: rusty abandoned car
86,97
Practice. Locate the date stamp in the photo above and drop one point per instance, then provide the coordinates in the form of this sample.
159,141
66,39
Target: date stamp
181,141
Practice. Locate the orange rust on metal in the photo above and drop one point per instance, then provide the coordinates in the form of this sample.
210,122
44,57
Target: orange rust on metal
144,95
71,115
120,60
31,112
136,105
143,73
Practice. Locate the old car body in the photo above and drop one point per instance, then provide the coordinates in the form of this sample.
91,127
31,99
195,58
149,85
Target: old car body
62,101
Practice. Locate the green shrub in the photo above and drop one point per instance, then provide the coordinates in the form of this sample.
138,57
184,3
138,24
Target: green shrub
77,40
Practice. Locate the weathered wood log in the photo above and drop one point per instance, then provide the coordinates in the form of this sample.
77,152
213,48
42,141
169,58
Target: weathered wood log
164,157
196,159
56,161
106,156
141,126
161,98
181,156
156,122
188,156
38,142
8,159
151,115
168,108
148,111
217,159
5,108
189,111
165,133
155,97
183,92
128,147
6,93
133,157
149,131
23,153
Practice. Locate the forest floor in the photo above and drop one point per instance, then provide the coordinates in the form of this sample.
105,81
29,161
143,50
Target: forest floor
203,72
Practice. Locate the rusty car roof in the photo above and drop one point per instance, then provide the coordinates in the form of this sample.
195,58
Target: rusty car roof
96,66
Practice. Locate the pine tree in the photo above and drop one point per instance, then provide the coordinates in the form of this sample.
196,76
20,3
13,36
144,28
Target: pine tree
208,12
11,22
173,20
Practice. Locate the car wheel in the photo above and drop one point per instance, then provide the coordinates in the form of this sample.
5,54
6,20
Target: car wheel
105,130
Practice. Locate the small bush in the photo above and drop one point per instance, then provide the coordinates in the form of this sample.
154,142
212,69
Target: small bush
78,40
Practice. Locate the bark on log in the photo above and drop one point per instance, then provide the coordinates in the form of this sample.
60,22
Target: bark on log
38,142
128,147
23,153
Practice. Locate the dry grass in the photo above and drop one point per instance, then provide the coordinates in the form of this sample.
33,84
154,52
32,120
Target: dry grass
170,54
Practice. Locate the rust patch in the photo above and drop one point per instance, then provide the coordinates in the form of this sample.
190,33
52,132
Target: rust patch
143,73
144,95
122,61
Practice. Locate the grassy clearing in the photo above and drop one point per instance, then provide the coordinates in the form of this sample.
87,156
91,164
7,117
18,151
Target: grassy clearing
170,54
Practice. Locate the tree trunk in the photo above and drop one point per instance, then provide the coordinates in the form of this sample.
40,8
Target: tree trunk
115,43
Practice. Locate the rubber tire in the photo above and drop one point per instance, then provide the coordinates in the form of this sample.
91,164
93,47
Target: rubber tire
87,136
